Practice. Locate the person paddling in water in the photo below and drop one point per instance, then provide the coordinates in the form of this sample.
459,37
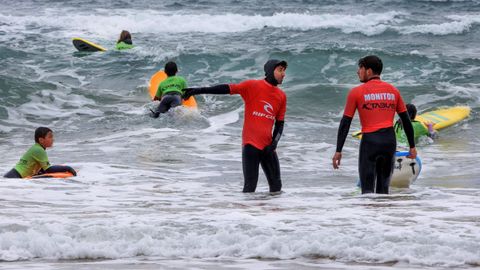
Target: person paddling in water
265,107
376,102
169,91
124,41
35,160
419,129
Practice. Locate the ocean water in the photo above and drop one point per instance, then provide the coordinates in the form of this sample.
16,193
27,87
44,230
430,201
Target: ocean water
166,193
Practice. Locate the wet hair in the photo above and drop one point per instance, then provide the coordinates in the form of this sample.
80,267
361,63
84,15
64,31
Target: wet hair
125,37
41,132
171,68
412,111
373,62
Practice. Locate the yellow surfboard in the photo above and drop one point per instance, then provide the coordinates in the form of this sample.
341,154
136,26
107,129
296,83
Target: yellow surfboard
86,46
443,118
159,77
440,118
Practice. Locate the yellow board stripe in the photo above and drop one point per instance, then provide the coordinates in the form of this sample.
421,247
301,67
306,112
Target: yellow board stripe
91,44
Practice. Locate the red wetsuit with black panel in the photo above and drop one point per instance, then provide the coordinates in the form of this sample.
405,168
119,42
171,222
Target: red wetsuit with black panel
376,102
265,104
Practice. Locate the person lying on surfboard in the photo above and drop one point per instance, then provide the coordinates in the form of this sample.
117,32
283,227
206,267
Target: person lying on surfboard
125,41
35,160
419,129
169,91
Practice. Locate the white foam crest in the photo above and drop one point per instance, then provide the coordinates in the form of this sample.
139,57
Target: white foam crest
150,21
182,220
449,91
219,121
106,25
161,133
469,91
457,24
48,104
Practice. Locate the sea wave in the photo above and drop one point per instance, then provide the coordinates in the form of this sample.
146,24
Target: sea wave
107,25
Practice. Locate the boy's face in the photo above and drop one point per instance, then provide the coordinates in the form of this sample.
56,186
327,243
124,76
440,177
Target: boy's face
47,141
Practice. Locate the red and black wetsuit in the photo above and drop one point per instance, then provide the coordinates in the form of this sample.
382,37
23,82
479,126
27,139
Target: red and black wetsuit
265,107
376,102
265,104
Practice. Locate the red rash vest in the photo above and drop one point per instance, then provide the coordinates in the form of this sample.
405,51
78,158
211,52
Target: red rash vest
376,102
264,104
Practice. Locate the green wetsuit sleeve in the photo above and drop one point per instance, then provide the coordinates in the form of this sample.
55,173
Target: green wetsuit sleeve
40,155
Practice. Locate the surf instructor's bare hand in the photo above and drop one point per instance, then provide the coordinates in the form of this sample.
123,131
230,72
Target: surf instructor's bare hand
336,160
412,153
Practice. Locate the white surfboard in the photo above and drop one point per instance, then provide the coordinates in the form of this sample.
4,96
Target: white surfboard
405,170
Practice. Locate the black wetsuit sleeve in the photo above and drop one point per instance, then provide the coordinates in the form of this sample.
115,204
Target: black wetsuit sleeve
408,128
220,89
277,132
343,132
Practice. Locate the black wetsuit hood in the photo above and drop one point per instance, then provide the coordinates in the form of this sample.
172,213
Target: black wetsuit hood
269,68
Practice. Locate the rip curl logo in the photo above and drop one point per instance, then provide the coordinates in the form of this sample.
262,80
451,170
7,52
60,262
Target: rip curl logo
268,108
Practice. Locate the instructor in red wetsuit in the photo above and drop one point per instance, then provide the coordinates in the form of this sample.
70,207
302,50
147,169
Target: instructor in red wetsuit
376,102
265,107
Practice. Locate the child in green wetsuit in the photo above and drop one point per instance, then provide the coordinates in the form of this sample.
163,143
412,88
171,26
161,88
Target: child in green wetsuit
35,160
169,91
125,41
420,129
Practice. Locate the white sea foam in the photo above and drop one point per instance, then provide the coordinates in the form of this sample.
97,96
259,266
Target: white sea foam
455,24
105,26
149,21
169,189
182,220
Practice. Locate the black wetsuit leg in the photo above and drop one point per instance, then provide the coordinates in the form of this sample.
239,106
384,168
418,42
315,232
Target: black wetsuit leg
271,168
12,174
168,101
251,157
376,160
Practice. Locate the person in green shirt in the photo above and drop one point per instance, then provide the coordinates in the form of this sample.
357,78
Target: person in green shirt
420,129
125,41
35,160
169,91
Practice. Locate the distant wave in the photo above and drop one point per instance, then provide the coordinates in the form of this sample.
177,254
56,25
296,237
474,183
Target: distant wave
107,26
457,25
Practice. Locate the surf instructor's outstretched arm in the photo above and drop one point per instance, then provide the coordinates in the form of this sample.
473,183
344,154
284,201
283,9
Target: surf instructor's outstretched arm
376,102
265,107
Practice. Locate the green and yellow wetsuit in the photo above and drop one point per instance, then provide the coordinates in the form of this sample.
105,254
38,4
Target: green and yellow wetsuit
171,85
32,161
123,46
419,130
